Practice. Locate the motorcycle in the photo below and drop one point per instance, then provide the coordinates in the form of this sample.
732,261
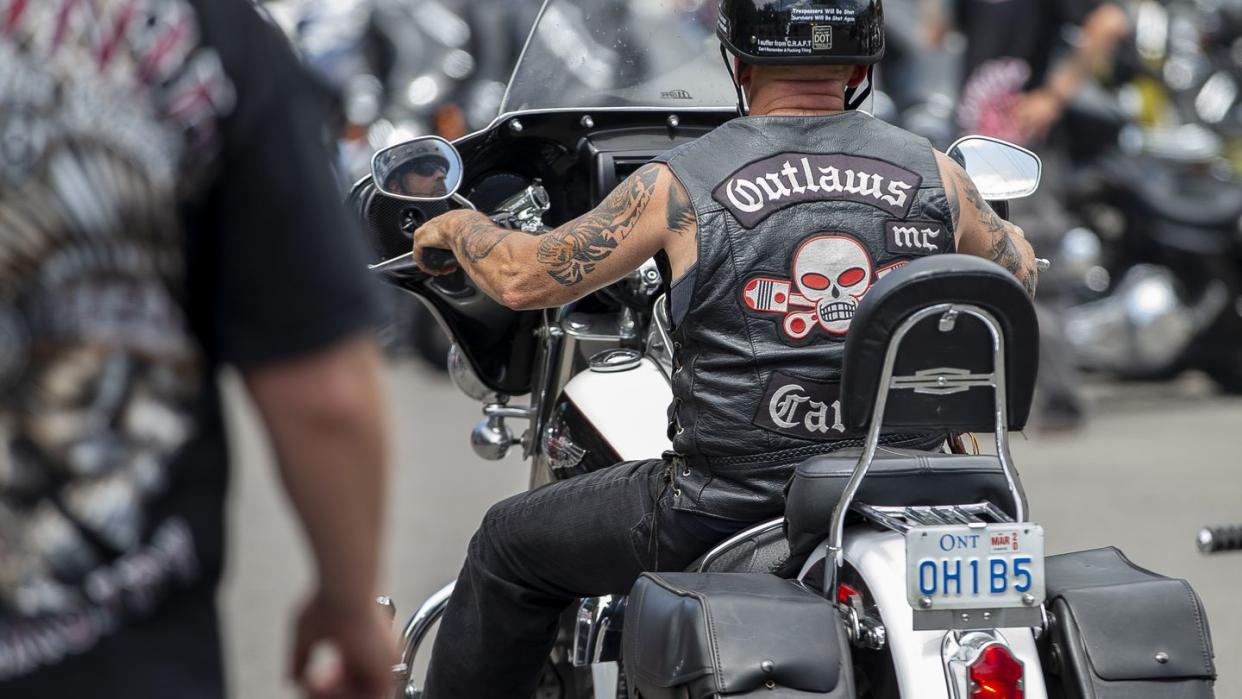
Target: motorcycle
1156,268
892,573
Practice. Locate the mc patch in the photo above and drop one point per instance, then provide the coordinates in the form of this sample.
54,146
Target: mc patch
917,238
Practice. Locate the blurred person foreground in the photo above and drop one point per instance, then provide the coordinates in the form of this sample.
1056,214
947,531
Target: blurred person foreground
167,209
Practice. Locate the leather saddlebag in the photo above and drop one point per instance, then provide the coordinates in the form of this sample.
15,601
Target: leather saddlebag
1119,631
701,635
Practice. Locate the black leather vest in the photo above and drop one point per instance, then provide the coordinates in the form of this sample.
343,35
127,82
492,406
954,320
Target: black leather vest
797,218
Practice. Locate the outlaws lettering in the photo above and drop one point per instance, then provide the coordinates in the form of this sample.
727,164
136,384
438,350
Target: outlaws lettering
831,274
801,408
762,188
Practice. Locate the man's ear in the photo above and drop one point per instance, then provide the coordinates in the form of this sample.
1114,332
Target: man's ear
742,71
858,76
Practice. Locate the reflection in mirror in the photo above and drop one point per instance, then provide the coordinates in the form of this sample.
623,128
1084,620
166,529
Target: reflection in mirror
1001,171
424,169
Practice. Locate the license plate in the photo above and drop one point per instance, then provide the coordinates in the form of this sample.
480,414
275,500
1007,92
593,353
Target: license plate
993,566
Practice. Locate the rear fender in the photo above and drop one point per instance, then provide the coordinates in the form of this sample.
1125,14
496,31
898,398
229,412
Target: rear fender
880,558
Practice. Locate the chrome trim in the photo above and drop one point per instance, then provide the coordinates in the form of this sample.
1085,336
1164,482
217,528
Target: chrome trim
958,651
415,633
615,360
599,621
660,327
1039,162
943,381
585,624
519,412
886,384
974,619
738,538
552,342
900,519
462,200
391,261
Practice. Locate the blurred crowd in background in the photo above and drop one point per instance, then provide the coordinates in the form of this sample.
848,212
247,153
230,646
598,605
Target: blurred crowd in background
1141,211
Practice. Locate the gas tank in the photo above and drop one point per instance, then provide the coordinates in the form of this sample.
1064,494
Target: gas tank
616,410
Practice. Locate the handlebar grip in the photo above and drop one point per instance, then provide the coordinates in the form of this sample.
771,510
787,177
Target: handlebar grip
437,258
1218,539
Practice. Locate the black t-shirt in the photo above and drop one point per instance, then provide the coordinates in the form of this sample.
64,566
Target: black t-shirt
1009,49
166,208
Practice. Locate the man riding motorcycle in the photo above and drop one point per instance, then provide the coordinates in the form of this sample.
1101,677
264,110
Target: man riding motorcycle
773,227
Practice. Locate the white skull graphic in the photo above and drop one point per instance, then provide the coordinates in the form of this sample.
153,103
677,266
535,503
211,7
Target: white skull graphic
833,272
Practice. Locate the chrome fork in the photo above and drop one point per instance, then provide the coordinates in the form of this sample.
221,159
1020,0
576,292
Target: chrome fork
412,637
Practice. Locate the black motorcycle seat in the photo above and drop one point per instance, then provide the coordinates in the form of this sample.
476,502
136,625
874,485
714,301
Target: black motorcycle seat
898,477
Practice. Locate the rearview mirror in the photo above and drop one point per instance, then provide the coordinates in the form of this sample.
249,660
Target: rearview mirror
427,168
1001,171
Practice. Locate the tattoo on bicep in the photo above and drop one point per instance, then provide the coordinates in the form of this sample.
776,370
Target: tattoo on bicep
479,239
576,249
1003,251
955,206
680,214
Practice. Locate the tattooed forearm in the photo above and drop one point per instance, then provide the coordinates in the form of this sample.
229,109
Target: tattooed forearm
573,251
478,239
995,225
680,212
1002,249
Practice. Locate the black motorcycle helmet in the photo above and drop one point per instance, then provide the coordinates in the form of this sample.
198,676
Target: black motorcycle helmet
804,32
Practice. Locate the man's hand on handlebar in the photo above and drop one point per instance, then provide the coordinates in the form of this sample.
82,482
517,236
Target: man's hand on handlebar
435,242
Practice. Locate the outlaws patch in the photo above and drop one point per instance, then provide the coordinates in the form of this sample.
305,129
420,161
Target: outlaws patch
801,408
764,187
917,238
831,274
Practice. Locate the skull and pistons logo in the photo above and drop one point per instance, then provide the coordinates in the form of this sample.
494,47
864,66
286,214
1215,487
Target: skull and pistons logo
831,274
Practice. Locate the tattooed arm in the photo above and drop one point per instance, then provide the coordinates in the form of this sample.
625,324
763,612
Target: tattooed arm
981,232
646,213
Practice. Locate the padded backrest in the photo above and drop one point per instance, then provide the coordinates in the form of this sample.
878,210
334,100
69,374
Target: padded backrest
937,279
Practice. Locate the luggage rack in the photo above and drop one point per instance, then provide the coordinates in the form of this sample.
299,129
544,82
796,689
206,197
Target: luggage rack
902,519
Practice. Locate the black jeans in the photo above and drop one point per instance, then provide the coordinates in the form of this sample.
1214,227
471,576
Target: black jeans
538,552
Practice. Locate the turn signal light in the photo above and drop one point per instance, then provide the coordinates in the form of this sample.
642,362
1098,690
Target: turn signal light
996,674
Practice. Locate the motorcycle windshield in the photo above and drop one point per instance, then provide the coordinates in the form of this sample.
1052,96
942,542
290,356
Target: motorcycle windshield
659,54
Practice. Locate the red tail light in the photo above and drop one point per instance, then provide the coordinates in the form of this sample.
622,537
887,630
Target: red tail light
996,674
847,593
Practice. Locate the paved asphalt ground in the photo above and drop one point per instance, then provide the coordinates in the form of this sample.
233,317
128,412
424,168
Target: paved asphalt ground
1155,463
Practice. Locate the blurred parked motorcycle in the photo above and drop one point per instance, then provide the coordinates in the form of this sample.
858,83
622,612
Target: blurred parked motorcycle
1157,265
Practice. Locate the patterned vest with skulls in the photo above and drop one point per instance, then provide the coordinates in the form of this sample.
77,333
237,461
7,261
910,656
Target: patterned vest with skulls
797,218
